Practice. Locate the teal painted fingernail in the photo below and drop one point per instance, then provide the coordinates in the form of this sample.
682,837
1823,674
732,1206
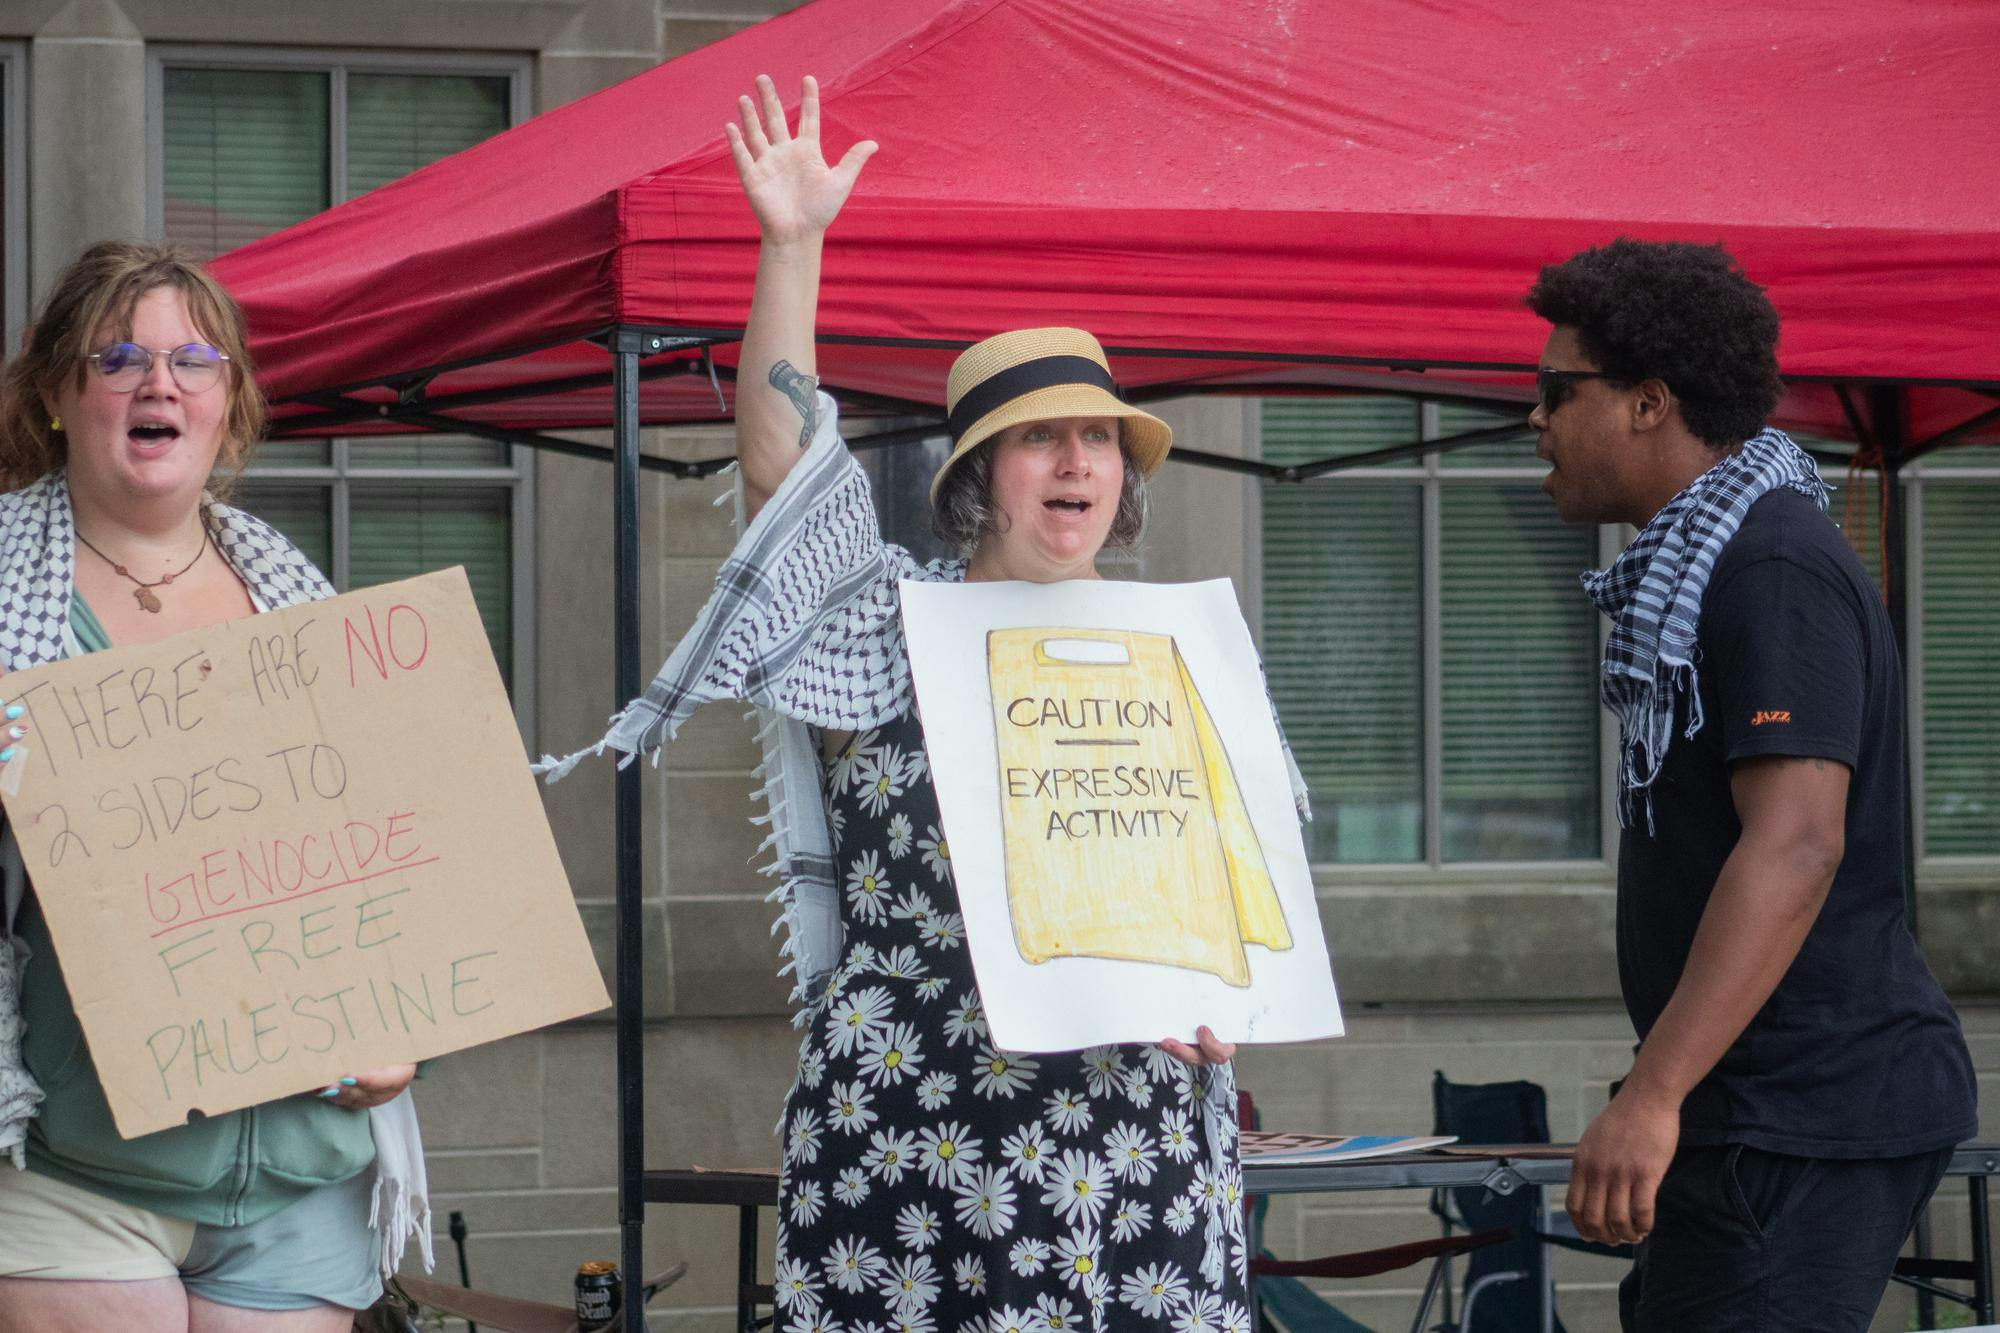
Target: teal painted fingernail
329,1092
14,711
349,1082
6,754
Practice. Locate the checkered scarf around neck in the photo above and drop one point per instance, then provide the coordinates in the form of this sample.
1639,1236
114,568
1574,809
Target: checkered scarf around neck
38,566
1653,593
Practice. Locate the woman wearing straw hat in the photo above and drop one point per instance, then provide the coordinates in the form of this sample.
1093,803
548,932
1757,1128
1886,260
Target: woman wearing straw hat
932,1181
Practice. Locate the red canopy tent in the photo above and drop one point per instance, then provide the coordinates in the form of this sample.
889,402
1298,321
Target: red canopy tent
1235,195
1238,196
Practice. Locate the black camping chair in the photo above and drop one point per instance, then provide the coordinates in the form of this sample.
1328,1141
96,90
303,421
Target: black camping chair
1504,1282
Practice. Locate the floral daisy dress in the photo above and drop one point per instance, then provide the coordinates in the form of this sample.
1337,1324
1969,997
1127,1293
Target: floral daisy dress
933,1183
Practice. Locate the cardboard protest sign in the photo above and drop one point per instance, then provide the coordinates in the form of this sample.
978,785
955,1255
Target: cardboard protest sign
1122,833
290,847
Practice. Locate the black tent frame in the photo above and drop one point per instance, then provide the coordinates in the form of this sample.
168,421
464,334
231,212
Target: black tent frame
1882,433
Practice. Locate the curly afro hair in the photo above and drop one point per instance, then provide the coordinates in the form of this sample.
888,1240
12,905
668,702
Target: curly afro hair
1680,313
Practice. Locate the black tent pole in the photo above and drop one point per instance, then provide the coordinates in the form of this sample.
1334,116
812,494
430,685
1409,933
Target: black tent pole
630,1016
1889,406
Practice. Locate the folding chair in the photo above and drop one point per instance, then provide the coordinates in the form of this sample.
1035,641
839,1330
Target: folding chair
1503,1283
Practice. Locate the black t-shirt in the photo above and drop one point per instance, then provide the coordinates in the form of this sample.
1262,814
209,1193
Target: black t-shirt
1857,1053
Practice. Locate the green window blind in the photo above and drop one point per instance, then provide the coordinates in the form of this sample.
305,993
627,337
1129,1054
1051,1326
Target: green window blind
1343,636
1520,724
304,514
1961,641
414,529
399,122
245,153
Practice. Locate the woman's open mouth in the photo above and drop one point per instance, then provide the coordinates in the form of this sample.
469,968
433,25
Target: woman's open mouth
153,437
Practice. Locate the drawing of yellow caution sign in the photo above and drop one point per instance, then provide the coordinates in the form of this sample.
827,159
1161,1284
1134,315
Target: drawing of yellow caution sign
1126,833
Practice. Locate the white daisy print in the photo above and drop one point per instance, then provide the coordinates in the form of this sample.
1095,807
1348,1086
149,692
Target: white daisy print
937,852
910,1321
909,1284
1003,1073
1068,1113
1138,1088
1129,1150
841,771
1177,1136
1152,1288
1029,1256
868,889
945,930
917,1226
1104,1071
803,1143
812,1068
986,1202
948,1152
1202,1313
903,963
797,1288
1008,1319
890,1153
807,1201
1078,1187
891,1054
1132,1220
1027,1151
849,1110
969,1272
1179,1216
936,1089
1076,1256
855,1017
880,779
852,1263
1158,1064
1207,1186
900,835
1058,1313
930,988
967,1023
912,906
1235,1319
852,1186
836,823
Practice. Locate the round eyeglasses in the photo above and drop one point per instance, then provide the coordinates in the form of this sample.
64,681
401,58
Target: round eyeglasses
125,366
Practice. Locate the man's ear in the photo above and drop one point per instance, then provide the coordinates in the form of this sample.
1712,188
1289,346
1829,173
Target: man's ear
1652,405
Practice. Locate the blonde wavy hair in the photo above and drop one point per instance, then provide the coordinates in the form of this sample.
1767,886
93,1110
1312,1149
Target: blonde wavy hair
91,303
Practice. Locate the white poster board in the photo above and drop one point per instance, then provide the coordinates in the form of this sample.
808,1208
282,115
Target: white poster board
1124,841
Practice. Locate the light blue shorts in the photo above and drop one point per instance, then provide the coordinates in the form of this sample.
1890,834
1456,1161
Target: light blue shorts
318,1251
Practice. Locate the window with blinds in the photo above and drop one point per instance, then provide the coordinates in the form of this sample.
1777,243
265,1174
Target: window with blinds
1429,599
1959,708
248,150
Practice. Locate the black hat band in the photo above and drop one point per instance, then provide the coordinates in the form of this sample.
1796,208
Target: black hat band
1044,372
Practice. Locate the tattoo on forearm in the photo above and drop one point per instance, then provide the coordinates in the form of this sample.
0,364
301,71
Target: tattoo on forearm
803,390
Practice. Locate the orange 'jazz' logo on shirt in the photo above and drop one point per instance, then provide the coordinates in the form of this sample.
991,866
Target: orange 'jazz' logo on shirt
1761,717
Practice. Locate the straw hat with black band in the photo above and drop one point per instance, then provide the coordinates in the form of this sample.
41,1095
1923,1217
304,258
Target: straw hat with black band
1039,375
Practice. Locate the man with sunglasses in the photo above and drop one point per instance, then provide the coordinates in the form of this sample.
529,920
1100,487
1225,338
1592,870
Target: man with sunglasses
1800,1079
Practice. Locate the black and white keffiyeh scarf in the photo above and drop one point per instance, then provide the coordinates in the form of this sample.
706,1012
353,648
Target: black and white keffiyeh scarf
1653,594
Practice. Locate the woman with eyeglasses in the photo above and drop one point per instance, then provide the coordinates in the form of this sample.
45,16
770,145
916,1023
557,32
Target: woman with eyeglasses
122,423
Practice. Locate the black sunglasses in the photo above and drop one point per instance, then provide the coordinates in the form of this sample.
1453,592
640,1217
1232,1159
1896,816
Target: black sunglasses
1556,387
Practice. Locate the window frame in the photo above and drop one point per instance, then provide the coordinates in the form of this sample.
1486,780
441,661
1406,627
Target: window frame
340,472
1430,476
14,188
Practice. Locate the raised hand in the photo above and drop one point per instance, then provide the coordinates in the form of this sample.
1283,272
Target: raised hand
791,189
